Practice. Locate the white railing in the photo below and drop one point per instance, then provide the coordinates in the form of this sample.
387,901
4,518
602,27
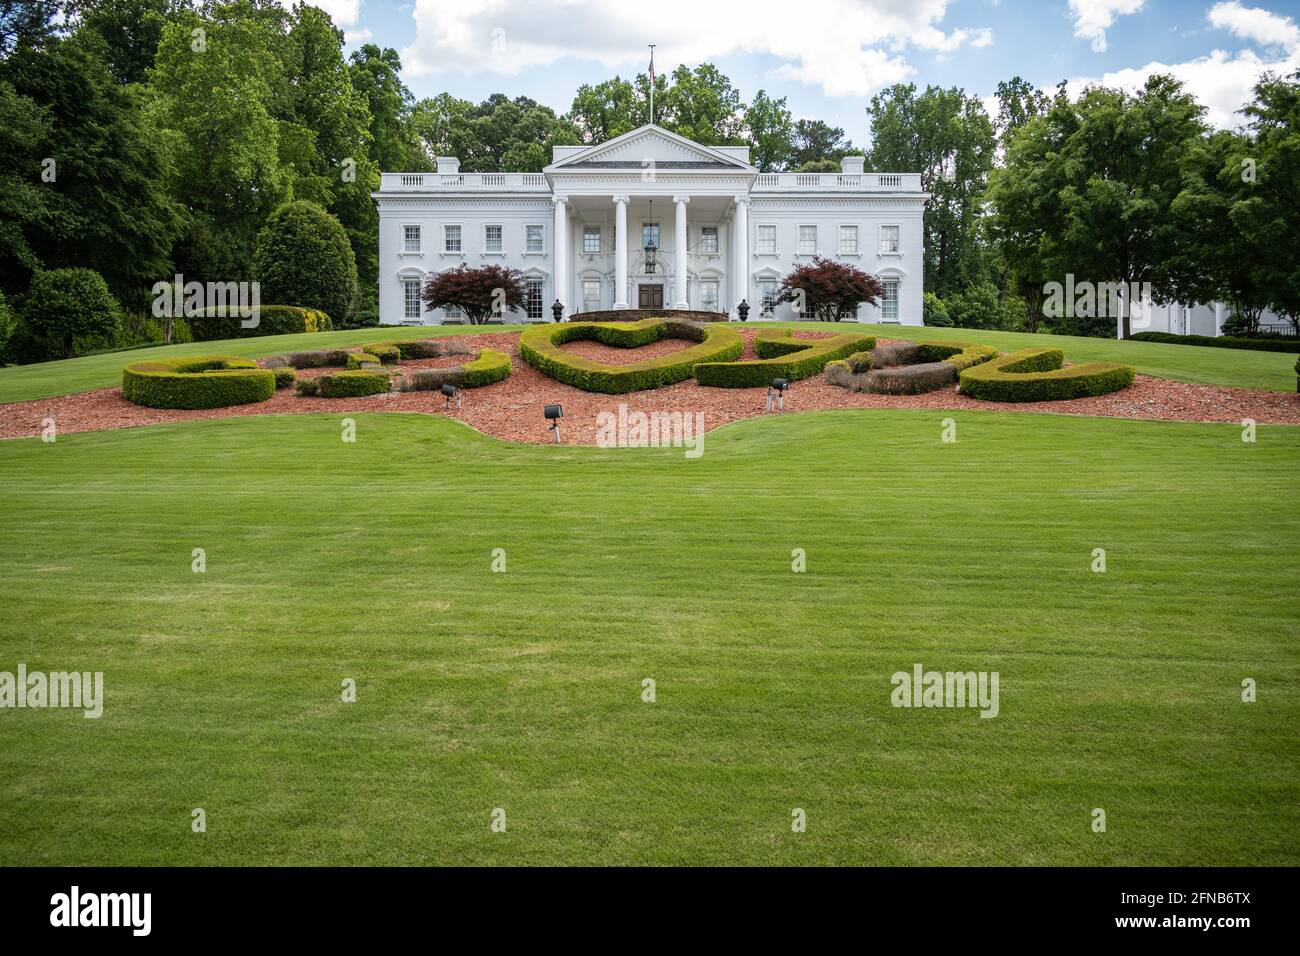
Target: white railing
435,182
865,182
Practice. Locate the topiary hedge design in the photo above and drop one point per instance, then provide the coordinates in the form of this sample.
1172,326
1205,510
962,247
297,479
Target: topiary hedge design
960,355
540,348
1036,375
782,356
353,383
205,381
488,366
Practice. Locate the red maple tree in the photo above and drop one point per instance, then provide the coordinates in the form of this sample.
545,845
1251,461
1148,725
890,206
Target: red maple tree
830,290
479,293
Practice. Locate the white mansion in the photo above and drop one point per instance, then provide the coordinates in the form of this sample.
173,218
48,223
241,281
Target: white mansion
649,220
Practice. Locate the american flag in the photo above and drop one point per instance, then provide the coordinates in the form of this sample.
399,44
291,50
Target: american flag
652,65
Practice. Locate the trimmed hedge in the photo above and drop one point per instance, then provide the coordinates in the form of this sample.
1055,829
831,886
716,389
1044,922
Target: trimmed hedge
540,347
206,381
210,324
960,355
488,366
387,352
407,351
781,356
1290,344
353,383
1036,375
284,376
319,358
362,359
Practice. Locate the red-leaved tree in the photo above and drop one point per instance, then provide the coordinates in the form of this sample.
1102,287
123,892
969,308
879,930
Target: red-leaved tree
829,290
479,293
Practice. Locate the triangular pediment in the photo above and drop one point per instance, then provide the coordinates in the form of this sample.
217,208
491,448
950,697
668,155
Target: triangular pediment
649,144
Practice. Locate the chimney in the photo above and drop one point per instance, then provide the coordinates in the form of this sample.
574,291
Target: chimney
448,165
852,165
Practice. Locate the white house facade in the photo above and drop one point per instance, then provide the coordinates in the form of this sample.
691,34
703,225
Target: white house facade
649,220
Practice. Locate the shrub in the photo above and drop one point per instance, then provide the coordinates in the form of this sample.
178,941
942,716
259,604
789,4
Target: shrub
361,359
490,366
934,312
540,348
476,292
1289,344
320,358
62,304
781,356
386,353
8,322
213,324
209,381
1036,375
353,383
284,376
960,355
859,361
303,256
415,349
909,379
831,290
975,307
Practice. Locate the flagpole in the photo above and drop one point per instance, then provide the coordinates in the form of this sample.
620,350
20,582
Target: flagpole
652,82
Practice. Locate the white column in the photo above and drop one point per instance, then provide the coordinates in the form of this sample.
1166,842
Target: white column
620,252
740,236
679,279
560,243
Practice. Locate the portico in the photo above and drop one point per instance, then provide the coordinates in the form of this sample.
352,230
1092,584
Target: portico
650,220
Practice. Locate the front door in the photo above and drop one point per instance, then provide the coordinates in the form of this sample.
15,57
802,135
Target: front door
650,297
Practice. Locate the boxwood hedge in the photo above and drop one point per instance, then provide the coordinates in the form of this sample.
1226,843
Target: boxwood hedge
781,356
205,381
362,359
352,383
961,355
1273,344
211,324
540,347
1036,375
487,367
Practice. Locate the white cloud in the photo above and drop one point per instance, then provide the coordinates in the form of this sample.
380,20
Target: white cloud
1222,81
344,13
847,47
1092,17
353,37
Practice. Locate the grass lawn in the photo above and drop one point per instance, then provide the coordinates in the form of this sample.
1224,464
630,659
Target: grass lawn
522,690
1183,363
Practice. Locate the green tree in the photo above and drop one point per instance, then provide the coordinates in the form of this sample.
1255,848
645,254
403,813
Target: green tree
948,137
703,106
304,259
24,201
770,131
1019,101
125,33
498,135
608,109
377,75
813,141
62,304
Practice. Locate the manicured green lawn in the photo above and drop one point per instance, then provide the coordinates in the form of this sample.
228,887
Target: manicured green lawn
522,690
1183,363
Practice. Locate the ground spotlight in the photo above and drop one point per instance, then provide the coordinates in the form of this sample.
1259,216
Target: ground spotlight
776,393
449,392
553,415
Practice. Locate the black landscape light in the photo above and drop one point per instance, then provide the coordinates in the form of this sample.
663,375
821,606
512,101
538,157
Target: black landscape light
449,392
777,391
553,415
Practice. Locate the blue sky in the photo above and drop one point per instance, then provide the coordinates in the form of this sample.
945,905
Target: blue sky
827,56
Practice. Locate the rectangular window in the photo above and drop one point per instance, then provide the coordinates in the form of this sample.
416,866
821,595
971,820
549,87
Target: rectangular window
766,296
848,240
709,295
709,240
534,239
533,299
766,244
889,238
492,239
451,238
452,312
889,301
807,240
650,233
590,295
411,239
411,298
591,240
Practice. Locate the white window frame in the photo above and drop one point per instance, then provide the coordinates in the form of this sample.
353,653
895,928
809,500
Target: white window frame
763,307
717,294
587,305
799,249
880,239
600,239
529,282
758,239
541,243
897,284
716,244
419,239
501,239
857,239
407,282
460,239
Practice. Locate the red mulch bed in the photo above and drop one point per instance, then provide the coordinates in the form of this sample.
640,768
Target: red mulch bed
512,409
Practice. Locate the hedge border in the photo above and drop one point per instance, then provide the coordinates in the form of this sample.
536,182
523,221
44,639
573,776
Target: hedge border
1036,375
488,367
201,381
783,356
540,347
1287,344
960,355
350,383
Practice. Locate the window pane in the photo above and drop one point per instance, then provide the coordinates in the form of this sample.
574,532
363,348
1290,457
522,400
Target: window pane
493,238
767,296
411,298
650,231
888,238
889,301
535,239
591,239
590,295
709,295
411,241
848,240
452,238
709,239
767,239
533,299
807,240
